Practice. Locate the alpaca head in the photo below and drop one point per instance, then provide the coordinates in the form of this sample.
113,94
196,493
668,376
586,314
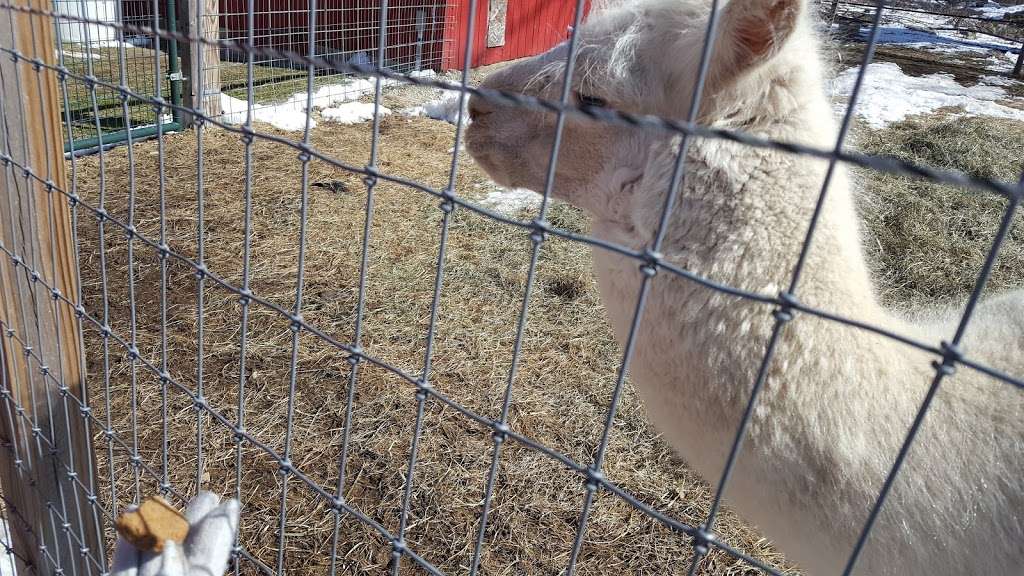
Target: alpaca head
640,56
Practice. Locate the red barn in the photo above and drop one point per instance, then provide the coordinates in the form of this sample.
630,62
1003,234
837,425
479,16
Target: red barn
420,33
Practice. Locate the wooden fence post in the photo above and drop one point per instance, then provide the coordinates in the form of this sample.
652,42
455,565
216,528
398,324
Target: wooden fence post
40,348
209,77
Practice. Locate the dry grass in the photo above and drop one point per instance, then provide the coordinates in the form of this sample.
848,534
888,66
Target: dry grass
562,390
928,241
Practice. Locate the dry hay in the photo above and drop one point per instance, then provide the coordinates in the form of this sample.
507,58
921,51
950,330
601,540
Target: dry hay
565,376
928,241
562,390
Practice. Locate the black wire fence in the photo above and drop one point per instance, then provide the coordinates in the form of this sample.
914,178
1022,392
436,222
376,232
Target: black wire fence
44,411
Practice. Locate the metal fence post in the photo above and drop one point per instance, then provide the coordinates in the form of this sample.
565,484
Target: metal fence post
44,455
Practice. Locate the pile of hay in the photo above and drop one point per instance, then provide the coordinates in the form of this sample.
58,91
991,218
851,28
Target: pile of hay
928,241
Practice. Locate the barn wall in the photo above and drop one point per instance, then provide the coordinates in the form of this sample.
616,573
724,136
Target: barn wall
531,27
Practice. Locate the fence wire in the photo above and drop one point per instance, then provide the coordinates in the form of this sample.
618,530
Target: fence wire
63,532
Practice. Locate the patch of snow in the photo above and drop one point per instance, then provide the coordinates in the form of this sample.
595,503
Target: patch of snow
947,42
446,108
6,559
351,112
879,106
510,201
993,10
79,55
290,115
999,81
284,116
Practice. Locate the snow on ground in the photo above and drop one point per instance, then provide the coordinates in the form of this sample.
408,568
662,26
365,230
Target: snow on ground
939,41
336,101
878,105
289,116
993,10
351,112
509,201
446,108
6,560
79,55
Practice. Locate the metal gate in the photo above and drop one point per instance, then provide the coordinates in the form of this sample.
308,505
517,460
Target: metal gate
92,43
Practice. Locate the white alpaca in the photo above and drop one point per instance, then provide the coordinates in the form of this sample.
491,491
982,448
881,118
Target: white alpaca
838,401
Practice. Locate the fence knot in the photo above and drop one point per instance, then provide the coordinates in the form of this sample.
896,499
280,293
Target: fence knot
338,503
199,403
702,540
80,311
34,276
594,479
158,105
785,312
297,322
951,356
500,434
245,297
55,294
284,466
44,370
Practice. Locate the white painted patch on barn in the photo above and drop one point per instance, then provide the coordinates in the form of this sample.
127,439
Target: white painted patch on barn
888,95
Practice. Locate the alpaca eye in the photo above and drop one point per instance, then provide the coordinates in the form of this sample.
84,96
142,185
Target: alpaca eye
591,101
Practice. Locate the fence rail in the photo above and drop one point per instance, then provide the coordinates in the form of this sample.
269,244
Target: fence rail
59,501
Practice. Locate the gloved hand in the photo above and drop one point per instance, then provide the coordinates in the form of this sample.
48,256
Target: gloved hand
205,552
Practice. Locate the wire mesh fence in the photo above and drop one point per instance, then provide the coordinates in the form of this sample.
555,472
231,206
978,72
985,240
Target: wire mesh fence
233,338
87,47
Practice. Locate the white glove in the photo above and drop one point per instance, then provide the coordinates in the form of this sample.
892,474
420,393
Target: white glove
207,548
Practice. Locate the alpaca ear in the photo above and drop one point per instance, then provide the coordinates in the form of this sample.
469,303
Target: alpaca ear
752,32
